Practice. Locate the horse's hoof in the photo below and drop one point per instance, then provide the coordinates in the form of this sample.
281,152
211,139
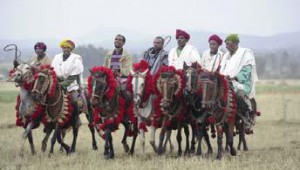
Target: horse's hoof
61,149
95,147
44,148
179,154
33,152
219,157
246,149
126,148
111,155
233,152
239,148
106,153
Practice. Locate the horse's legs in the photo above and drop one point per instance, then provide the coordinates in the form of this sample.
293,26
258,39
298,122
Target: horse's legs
152,138
124,139
229,129
89,116
53,140
179,139
219,141
134,139
110,142
199,136
239,129
30,139
169,132
45,140
206,137
75,134
187,135
63,134
194,133
243,139
106,147
142,136
161,140
61,142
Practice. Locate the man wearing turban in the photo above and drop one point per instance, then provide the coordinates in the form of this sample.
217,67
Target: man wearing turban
184,52
41,58
239,66
69,68
212,57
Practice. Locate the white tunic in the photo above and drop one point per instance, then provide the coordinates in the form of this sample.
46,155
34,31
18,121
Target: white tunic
189,55
72,66
211,63
232,65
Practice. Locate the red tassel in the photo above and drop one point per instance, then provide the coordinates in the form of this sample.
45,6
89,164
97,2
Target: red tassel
155,124
258,113
102,126
143,126
211,120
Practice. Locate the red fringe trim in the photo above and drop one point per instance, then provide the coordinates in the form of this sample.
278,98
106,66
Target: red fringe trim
50,70
142,126
112,84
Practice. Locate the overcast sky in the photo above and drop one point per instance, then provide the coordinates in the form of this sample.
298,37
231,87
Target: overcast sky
23,19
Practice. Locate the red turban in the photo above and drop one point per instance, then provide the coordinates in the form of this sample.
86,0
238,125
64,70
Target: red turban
216,38
182,33
40,45
67,43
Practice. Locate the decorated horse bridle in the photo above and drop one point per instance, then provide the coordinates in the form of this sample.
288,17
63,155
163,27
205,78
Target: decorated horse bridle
206,81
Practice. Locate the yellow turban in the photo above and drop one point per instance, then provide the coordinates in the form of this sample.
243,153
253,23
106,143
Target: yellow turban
67,43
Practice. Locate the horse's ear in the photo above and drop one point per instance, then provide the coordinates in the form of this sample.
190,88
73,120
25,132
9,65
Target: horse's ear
145,72
194,65
185,66
131,72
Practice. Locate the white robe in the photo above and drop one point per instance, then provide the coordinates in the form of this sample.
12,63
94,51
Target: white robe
72,66
211,63
189,54
232,65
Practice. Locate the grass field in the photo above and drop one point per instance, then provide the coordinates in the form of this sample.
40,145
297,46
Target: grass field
275,143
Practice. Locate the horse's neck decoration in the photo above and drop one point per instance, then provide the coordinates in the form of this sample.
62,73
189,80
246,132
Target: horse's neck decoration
168,89
49,94
107,103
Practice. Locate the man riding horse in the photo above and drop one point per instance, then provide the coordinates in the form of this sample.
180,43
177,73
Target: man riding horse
239,66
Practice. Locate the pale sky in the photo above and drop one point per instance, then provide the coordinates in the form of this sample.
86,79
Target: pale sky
54,19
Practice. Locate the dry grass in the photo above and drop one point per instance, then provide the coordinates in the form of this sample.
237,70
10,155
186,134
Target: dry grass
275,144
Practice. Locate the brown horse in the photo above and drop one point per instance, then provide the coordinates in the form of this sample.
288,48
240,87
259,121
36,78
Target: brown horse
59,110
108,105
169,105
218,100
193,100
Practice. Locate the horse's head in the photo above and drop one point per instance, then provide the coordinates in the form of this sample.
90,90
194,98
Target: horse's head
138,85
45,83
209,84
99,87
23,74
191,75
167,84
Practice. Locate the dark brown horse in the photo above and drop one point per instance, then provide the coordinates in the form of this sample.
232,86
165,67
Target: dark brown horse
218,100
193,100
169,105
59,111
108,105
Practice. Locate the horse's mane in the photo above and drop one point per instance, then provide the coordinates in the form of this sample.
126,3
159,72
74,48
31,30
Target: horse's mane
48,69
112,84
141,67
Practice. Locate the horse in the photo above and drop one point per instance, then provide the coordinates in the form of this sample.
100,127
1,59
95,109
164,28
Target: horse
219,103
193,100
58,108
108,105
140,85
28,112
169,105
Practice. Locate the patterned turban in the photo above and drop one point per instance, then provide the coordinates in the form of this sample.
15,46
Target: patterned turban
233,38
182,33
67,43
216,38
40,45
